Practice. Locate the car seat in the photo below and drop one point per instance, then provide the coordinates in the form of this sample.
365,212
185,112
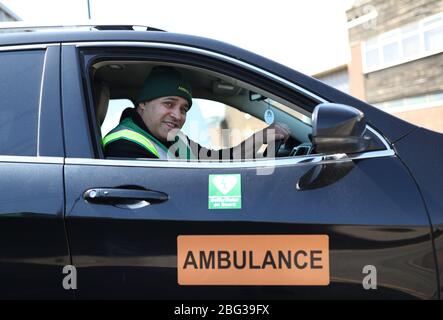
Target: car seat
101,99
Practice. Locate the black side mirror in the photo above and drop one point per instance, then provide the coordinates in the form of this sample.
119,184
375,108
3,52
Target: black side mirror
323,175
338,128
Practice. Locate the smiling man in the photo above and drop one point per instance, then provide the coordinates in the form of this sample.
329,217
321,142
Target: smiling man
152,129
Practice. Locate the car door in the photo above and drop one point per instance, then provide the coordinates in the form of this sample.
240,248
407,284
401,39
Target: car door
33,243
365,209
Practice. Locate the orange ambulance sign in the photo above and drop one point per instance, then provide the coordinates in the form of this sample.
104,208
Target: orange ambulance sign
253,260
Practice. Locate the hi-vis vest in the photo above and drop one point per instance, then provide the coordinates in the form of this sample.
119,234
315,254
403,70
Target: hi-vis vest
128,130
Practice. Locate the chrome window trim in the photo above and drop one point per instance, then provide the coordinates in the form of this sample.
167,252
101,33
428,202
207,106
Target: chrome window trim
39,113
31,159
380,137
261,163
28,46
374,154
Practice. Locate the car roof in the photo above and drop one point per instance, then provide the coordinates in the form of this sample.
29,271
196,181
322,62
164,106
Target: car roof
393,128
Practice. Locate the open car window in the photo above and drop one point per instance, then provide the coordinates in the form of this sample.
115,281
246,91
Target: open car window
225,110
215,125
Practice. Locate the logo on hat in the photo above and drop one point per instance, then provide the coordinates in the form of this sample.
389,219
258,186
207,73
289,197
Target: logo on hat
184,90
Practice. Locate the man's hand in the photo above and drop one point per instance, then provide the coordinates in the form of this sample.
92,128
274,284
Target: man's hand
251,145
274,132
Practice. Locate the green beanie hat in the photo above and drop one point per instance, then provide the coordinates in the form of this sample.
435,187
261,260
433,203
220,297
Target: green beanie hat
162,82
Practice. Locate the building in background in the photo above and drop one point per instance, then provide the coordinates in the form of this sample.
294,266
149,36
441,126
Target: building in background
396,59
7,15
338,77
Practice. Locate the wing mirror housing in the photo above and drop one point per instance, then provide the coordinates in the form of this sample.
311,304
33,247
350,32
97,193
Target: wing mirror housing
338,128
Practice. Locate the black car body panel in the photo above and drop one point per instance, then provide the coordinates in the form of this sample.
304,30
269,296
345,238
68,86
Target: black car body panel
422,153
34,246
138,249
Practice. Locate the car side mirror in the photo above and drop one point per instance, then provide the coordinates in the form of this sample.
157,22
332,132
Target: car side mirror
338,128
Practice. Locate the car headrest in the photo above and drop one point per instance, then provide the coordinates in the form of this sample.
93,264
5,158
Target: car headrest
101,99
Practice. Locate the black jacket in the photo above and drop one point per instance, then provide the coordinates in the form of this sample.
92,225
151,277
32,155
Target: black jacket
127,149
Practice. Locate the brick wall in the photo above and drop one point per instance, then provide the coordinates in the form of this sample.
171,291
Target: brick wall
391,14
414,78
410,79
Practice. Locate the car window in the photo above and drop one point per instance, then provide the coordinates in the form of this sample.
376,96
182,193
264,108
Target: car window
20,83
115,109
216,125
225,111
210,123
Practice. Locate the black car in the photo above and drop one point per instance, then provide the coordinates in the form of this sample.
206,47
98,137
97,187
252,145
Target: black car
350,206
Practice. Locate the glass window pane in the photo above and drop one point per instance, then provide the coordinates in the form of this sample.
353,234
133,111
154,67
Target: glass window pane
391,53
394,103
433,21
115,109
410,28
434,39
436,97
226,125
371,43
416,101
389,36
372,59
20,82
411,46
338,80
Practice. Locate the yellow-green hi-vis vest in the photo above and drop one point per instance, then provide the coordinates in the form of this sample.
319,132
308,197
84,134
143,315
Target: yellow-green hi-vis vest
128,130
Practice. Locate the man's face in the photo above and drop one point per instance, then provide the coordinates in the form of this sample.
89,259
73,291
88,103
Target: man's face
163,115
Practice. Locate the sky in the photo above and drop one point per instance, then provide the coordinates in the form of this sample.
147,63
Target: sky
307,35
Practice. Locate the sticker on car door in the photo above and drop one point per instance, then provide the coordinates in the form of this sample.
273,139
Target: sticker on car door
224,191
253,260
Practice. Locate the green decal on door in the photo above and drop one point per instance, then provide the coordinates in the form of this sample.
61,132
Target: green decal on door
224,191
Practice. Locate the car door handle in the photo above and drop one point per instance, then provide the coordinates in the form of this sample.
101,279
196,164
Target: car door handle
122,195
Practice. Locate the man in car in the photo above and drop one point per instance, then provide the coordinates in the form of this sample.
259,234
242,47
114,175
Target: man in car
152,129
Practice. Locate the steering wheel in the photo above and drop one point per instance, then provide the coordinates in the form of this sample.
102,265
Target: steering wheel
277,145
302,149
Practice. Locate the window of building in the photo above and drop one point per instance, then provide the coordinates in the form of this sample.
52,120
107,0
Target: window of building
338,79
372,58
411,46
20,83
410,42
412,103
434,39
390,52
424,110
